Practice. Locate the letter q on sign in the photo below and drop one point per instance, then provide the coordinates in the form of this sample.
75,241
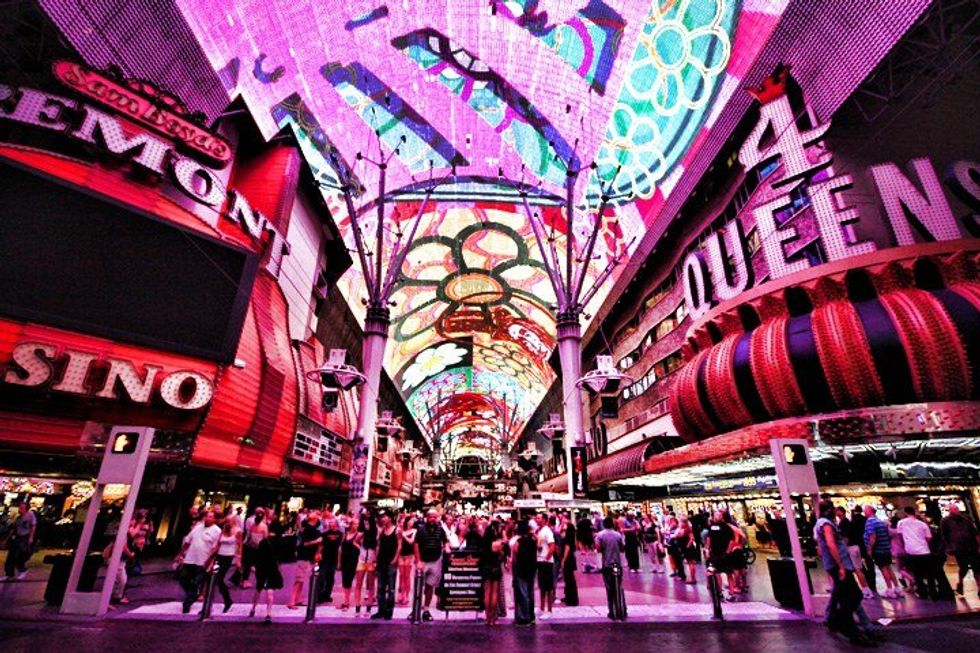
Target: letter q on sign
175,390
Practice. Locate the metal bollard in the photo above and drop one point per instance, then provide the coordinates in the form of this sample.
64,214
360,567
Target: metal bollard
714,589
208,595
314,592
417,592
620,611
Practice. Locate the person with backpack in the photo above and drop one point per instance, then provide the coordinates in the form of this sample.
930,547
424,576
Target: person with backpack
524,564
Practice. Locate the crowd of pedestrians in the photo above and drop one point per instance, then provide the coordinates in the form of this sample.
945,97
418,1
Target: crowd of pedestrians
852,546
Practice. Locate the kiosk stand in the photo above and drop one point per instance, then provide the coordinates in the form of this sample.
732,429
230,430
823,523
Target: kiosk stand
795,475
123,462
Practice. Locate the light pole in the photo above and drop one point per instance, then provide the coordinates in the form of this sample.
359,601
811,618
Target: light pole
569,284
379,280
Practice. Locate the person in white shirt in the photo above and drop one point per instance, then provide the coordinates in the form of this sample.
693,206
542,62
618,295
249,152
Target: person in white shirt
546,563
195,555
916,535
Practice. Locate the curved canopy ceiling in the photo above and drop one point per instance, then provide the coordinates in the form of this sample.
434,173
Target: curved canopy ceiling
483,85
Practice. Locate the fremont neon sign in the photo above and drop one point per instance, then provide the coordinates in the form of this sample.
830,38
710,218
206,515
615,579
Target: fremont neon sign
723,270
33,364
196,180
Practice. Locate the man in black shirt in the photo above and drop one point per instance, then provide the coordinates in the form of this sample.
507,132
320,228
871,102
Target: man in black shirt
332,538
307,555
430,543
387,566
719,544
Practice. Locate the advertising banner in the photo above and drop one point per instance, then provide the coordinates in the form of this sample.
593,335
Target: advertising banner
462,582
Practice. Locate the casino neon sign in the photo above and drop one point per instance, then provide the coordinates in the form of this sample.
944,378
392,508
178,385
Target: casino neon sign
33,364
143,150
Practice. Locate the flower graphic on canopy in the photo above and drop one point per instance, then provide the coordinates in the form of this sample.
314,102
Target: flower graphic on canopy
682,52
430,362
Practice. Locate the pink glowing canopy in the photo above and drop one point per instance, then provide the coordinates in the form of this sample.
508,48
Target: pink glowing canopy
483,86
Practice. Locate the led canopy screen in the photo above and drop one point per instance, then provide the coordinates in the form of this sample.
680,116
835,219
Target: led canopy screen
519,86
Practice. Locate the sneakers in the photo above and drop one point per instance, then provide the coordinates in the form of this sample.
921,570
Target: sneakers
426,615
22,575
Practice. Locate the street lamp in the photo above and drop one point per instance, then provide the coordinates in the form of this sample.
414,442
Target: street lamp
607,383
336,376
569,284
382,270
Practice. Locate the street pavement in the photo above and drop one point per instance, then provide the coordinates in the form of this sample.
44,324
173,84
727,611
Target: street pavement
946,636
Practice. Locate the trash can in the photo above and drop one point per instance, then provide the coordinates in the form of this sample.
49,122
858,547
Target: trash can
54,592
785,586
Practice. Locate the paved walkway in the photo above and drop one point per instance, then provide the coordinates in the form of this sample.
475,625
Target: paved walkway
650,597
959,636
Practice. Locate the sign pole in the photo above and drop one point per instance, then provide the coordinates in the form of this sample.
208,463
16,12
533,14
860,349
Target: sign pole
123,462
795,473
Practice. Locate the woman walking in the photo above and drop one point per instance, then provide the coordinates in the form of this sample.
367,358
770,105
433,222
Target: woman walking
631,531
655,545
268,577
366,562
406,558
687,546
524,549
228,553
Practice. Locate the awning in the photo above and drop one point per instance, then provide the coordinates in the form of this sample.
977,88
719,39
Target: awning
619,464
611,467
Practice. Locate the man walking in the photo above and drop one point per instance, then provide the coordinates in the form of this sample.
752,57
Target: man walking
878,542
430,543
21,543
194,555
916,535
387,566
307,555
610,544
960,536
330,560
845,598
546,565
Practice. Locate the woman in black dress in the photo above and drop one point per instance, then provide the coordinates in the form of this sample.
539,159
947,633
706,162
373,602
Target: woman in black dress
569,565
493,553
350,552
267,577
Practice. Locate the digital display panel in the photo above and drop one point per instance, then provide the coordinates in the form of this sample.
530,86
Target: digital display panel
75,261
518,86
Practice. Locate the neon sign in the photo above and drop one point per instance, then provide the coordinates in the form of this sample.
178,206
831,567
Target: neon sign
144,111
32,365
196,180
723,269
